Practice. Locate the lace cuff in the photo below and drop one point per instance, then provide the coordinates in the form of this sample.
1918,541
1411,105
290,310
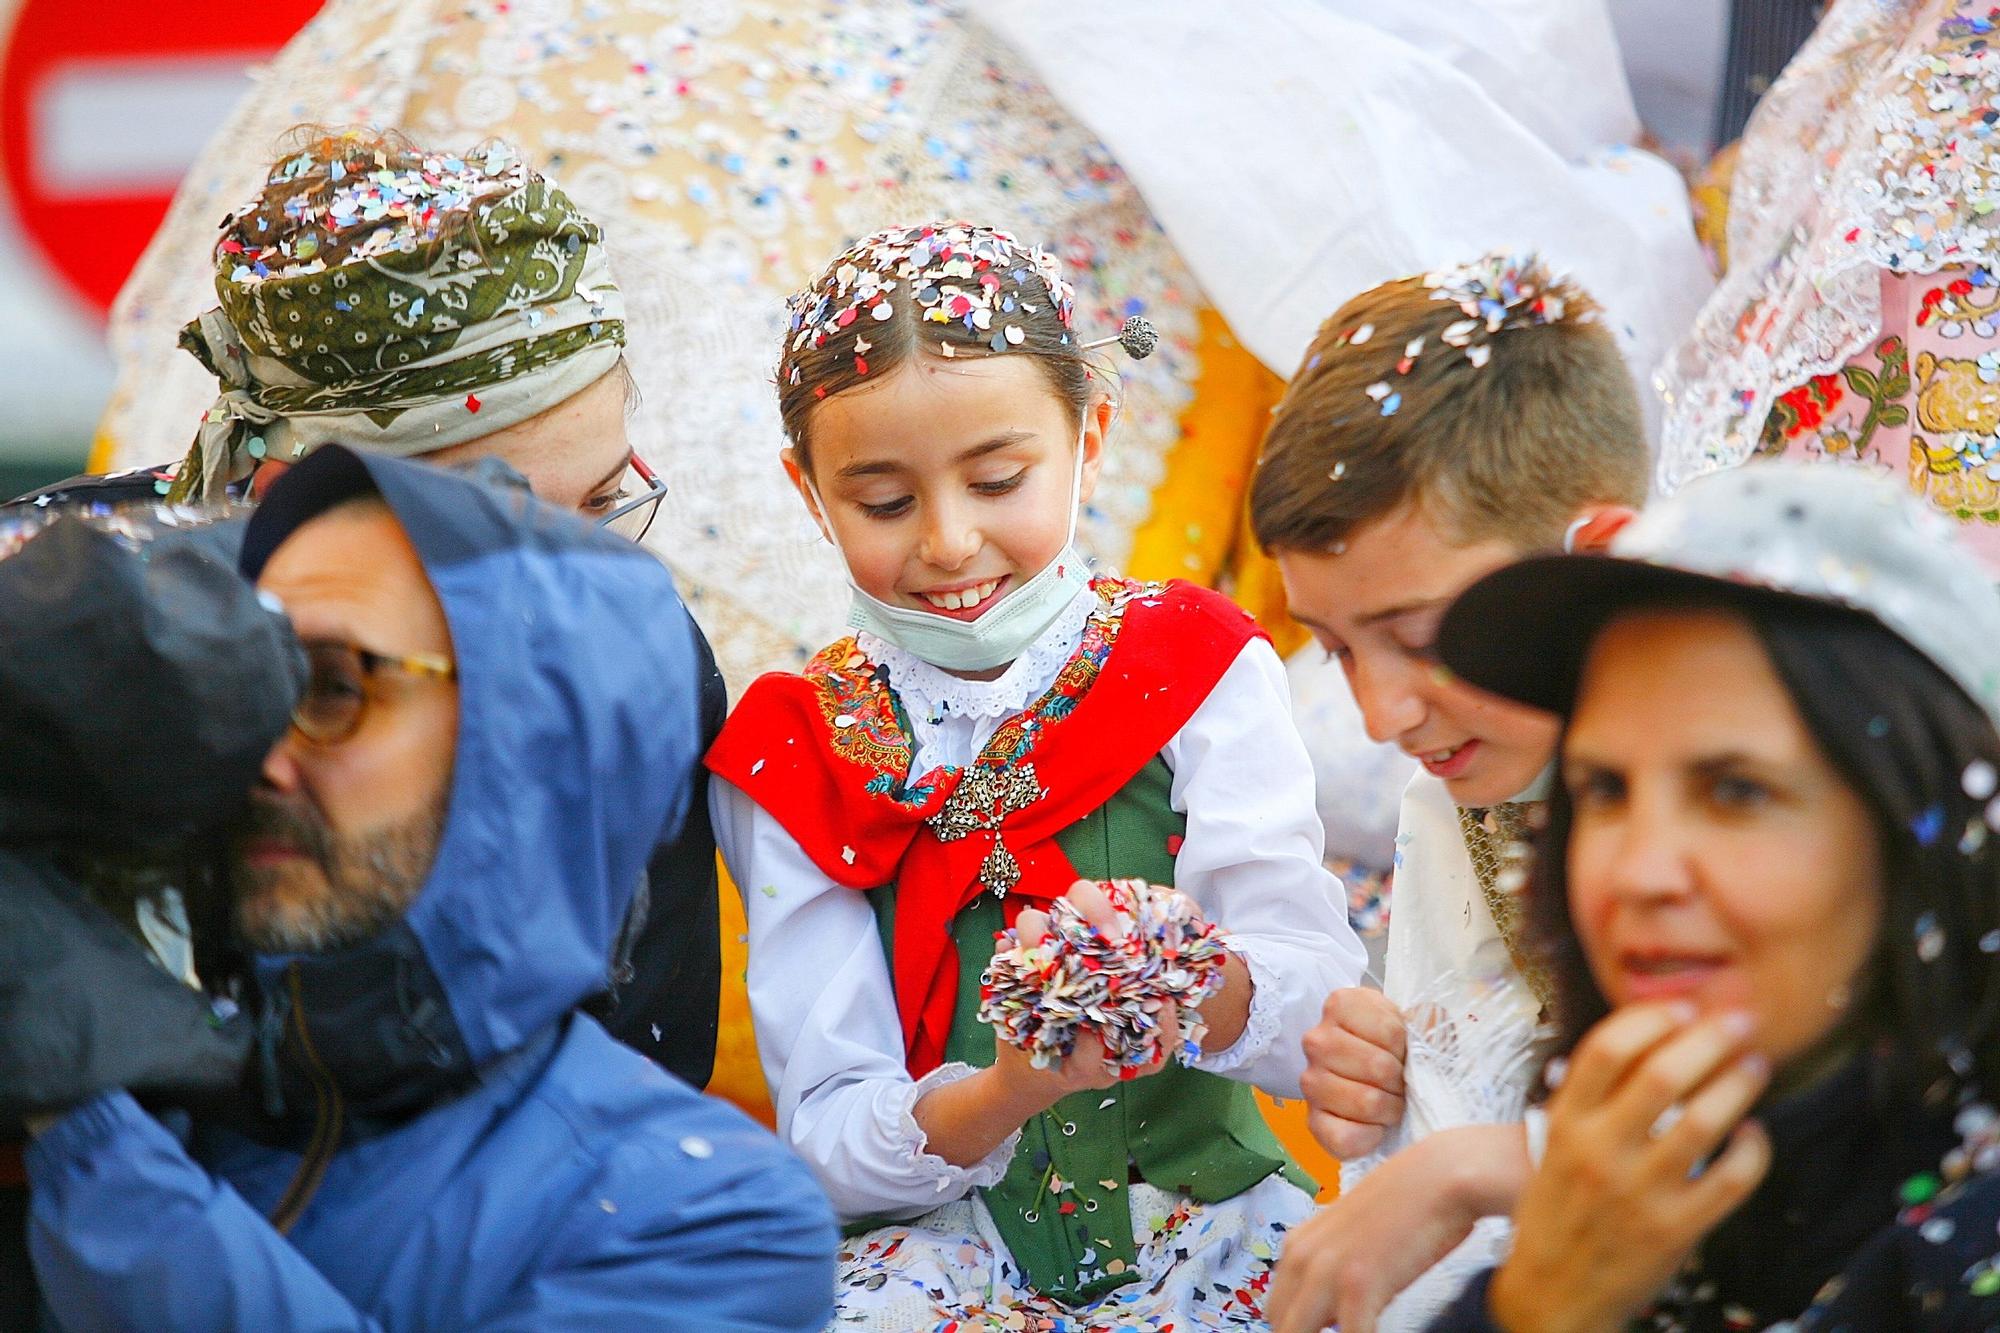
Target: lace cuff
907,1139
1266,1021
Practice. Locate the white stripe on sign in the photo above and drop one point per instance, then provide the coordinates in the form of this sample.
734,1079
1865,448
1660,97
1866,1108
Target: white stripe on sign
123,127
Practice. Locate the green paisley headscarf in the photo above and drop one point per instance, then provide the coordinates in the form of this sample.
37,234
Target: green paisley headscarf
405,346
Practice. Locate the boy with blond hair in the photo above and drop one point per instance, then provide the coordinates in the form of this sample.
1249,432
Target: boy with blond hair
1439,428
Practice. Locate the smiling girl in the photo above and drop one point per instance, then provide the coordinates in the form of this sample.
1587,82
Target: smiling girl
1001,725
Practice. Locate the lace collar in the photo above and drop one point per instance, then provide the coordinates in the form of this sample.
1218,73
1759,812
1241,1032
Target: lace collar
930,694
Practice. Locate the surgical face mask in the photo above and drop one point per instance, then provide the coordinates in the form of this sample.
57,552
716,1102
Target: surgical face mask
997,637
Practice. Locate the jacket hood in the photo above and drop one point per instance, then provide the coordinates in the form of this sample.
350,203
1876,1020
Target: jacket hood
578,741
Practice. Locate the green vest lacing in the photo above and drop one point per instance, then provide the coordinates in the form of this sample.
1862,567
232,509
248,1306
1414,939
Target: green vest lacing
1180,1129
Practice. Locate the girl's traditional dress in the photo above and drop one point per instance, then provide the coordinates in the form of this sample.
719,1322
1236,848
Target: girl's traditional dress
1859,320
885,819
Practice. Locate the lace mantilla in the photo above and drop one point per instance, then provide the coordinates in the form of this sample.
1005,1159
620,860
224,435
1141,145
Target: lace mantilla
729,147
1874,152
1473,1039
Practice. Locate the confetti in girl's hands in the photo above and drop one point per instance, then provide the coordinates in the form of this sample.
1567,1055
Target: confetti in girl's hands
1123,962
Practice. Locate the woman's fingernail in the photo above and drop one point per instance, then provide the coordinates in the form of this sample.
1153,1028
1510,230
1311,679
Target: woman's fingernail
1739,1023
1682,1011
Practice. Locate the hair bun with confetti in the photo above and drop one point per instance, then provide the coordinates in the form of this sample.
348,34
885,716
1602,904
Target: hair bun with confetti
1136,337
952,271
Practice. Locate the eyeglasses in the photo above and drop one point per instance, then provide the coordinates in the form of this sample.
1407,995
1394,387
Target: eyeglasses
637,503
336,695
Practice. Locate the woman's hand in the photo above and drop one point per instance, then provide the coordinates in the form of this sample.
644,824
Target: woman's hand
1353,1083
1347,1262
1617,1205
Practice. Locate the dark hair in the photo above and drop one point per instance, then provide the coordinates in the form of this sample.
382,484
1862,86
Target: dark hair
903,323
1512,448
1902,735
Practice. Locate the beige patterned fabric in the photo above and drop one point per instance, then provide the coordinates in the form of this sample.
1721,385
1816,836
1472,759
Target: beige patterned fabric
729,148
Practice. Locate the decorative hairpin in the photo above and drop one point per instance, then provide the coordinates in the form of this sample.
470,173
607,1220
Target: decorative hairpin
1136,336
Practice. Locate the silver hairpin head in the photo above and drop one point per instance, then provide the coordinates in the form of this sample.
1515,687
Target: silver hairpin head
1136,336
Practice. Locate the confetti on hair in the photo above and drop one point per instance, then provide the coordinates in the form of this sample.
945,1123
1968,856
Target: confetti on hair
1040,997
1498,291
353,191
951,270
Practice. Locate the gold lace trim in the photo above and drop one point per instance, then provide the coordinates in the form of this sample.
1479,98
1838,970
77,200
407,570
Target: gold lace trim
1496,838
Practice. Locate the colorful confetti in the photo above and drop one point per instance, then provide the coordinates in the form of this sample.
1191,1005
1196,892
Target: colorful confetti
1040,997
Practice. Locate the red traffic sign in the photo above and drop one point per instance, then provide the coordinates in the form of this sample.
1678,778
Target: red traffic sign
105,105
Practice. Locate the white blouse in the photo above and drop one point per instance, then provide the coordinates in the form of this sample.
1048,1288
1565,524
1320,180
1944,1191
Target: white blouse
820,993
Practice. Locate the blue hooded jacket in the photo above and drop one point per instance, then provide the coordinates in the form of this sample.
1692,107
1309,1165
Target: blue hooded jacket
450,1144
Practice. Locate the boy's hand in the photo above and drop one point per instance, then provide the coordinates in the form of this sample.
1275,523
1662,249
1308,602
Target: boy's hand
1346,1263
1353,1084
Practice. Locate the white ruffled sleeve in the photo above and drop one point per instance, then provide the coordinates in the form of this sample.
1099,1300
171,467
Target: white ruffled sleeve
1252,858
827,1031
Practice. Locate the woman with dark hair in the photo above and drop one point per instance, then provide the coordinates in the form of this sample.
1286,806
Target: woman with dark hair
1770,900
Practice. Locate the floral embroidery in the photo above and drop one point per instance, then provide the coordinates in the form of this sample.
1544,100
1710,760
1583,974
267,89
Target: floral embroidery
866,725
1955,308
1883,393
1802,409
1817,408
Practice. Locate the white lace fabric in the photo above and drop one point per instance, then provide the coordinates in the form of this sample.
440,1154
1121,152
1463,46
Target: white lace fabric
909,1139
1871,153
1473,1043
1266,1020
952,717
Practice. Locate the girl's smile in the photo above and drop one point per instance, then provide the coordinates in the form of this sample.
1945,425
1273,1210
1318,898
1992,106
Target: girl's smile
966,601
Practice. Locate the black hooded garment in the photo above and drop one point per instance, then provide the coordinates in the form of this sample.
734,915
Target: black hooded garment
141,685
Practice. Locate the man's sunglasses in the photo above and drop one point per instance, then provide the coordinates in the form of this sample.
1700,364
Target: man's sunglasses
336,695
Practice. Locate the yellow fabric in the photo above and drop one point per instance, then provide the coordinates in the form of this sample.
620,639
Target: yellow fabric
1200,525
103,449
738,1077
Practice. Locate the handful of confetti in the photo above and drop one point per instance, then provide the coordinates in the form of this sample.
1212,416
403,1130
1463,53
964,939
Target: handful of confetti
1077,978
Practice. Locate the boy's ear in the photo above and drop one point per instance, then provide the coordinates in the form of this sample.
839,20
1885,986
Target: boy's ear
1594,528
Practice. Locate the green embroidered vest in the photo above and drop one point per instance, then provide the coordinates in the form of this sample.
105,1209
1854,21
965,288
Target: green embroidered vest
1061,1207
